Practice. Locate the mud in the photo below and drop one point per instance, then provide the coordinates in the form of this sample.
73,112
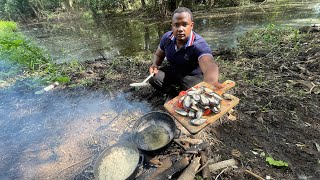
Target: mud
278,113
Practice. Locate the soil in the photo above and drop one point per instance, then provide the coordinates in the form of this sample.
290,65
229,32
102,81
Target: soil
278,114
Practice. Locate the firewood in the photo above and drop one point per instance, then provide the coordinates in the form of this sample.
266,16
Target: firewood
204,159
254,175
190,172
165,164
176,167
191,140
222,164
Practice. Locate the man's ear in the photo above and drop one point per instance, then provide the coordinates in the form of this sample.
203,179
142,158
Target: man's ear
192,25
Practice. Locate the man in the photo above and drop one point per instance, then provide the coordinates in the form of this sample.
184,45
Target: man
188,54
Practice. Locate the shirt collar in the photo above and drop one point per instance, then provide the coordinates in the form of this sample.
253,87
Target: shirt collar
190,40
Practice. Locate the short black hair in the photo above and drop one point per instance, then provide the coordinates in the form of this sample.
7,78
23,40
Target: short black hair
181,10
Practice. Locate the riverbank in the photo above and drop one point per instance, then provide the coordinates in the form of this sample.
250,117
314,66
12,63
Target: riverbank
277,76
277,79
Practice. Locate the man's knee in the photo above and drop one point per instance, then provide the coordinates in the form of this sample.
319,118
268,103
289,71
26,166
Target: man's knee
157,80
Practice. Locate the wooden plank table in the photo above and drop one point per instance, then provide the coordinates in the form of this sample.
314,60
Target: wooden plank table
226,105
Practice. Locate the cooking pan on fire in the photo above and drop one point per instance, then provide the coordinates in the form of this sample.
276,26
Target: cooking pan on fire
154,131
120,161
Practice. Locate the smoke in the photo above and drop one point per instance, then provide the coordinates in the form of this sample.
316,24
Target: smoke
42,134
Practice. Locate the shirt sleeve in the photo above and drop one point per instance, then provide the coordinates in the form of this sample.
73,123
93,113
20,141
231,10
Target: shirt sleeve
202,49
164,40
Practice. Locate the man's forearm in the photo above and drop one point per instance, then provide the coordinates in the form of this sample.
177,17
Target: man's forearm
211,73
158,57
157,61
209,68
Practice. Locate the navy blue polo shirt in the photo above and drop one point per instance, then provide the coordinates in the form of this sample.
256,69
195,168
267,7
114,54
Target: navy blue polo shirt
185,59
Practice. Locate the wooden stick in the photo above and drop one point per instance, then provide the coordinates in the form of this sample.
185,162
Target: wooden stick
254,175
179,143
222,164
190,172
75,164
165,164
220,173
176,167
204,163
191,141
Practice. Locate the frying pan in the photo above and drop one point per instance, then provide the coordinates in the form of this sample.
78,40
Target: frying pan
154,131
143,83
109,150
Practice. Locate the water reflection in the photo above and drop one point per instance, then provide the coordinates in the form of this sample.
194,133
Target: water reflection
87,40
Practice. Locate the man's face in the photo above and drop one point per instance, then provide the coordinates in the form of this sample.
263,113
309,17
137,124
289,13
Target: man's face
182,26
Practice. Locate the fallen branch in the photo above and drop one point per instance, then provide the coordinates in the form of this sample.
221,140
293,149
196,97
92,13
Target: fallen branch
222,164
191,141
176,167
204,162
75,164
254,175
165,164
177,141
317,146
220,173
190,172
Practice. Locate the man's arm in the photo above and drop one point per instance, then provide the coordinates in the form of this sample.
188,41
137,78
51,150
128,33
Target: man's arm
210,69
158,57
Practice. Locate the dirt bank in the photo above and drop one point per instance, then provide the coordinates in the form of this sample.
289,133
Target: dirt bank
278,83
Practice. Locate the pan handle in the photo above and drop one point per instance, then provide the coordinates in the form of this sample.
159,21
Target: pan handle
177,134
141,159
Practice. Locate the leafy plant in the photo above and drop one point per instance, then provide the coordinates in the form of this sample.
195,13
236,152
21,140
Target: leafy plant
277,163
17,48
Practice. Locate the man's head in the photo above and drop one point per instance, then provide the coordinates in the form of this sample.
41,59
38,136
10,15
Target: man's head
182,24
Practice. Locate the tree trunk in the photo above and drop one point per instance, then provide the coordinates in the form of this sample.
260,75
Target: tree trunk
146,38
210,3
35,12
143,4
71,4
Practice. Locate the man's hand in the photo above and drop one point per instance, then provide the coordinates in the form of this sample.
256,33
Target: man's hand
153,69
217,85
157,61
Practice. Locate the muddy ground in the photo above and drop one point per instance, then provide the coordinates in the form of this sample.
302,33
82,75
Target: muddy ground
278,113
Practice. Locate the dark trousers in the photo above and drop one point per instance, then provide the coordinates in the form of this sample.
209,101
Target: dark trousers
167,80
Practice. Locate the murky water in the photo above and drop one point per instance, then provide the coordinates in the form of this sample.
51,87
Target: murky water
91,39
45,136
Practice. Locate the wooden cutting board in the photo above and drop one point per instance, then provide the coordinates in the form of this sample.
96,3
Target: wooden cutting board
226,105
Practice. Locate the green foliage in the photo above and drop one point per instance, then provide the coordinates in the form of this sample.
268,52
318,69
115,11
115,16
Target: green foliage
63,79
276,163
269,38
8,26
17,48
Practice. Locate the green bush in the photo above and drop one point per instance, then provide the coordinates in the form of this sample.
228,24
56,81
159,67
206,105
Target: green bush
17,48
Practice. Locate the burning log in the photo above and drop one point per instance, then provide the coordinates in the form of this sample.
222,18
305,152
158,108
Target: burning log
190,172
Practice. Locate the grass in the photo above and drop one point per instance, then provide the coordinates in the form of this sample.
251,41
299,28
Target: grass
260,56
270,38
17,48
33,60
